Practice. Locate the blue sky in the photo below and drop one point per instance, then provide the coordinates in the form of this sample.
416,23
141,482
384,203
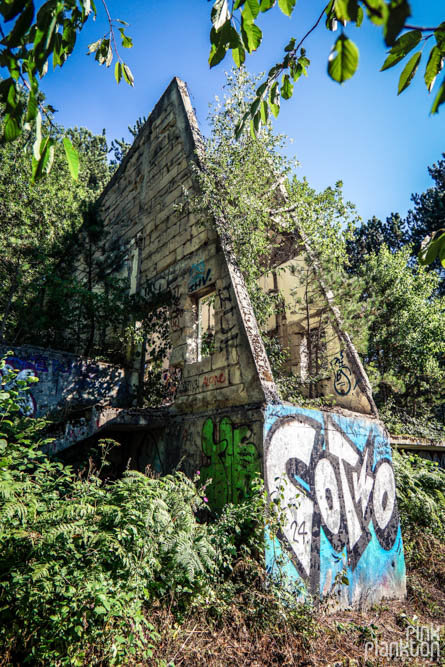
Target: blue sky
378,144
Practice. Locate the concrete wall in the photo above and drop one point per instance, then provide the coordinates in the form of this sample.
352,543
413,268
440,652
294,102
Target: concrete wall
65,381
175,257
335,479
291,329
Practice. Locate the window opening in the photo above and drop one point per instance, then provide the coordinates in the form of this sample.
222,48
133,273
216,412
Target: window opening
206,325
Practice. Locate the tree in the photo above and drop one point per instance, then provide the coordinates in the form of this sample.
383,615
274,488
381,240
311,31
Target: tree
372,235
39,227
240,189
404,322
51,33
425,219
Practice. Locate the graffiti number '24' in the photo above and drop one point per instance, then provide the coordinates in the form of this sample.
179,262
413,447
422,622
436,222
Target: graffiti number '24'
327,483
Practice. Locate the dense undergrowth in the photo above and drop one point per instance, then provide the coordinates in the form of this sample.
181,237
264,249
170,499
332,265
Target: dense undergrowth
137,571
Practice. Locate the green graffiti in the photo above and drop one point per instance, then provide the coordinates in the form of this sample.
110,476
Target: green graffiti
233,462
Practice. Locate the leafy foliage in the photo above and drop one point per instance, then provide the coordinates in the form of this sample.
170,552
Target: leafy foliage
422,229
80,558
86,564
234,27
240,186
25,52
39,231
420,493
405,322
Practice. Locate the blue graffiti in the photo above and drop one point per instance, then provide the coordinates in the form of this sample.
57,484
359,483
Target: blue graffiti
335,480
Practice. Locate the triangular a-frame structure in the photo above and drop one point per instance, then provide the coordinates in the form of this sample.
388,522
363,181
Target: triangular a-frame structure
332,468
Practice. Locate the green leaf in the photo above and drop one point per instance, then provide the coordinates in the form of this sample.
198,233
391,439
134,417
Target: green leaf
32,109
431,247
260,90
360,17
72,157
433,67
440,37
286,6
440,98
274,99
252,129
128,76
251,35
118,72
11,128
44,163
343,59
219,14
401,48
377,11
286,87
127,42
266,5
398,12
409,71
442,252
346,10
238,53
296,71
251,10
23,23
37,142
264,112
217,54
255,106
290,46
254,126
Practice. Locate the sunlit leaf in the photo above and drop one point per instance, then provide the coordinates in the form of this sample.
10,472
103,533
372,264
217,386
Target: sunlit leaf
287,6
409,71
401,48
343,59
433,67
72,158
440,98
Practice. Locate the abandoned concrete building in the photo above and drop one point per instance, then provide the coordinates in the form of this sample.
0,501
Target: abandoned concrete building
224,416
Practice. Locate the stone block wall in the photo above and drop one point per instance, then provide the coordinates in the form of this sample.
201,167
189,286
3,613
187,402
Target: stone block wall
174,256
65,381
333,476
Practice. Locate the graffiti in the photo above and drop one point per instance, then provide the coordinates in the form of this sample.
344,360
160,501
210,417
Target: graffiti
199,277
175,317
40,364
164,281
213,380
189,386
224,295
171,378
342,375
24,398
336,483
229,341
62,365
226,323
232,461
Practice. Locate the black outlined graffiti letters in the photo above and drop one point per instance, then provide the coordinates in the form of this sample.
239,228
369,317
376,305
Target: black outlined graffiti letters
343,378
327,482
